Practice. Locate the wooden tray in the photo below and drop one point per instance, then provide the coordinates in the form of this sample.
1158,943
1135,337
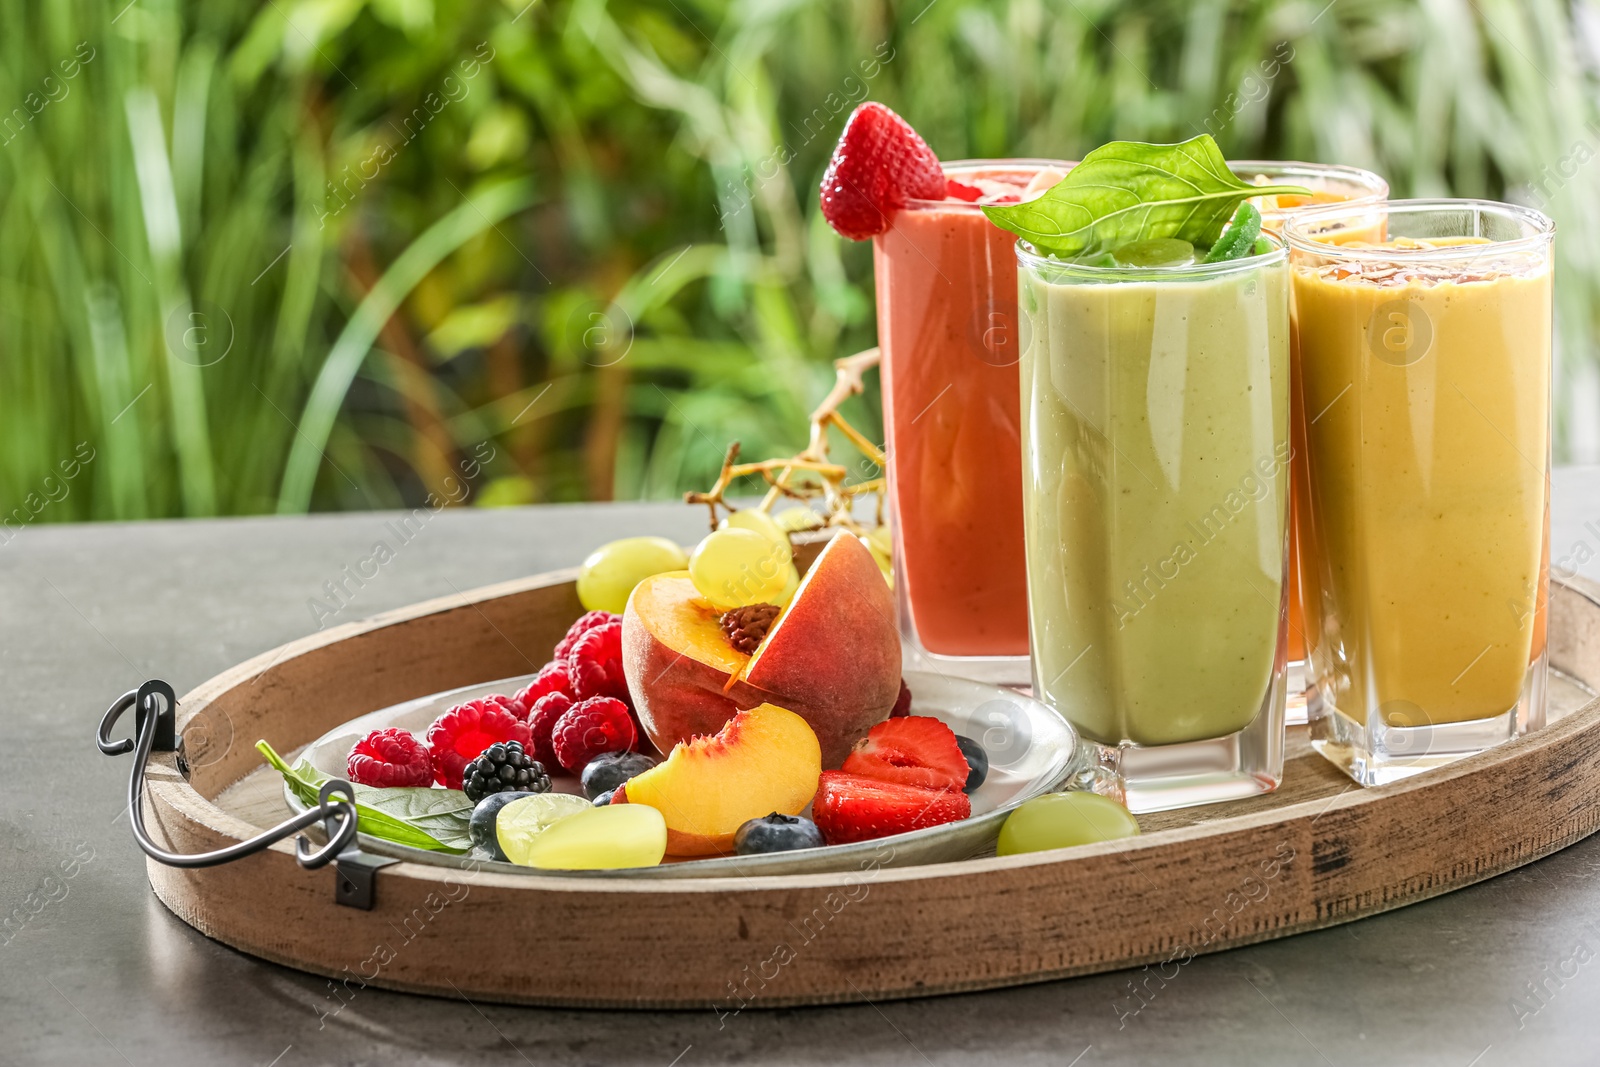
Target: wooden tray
1318,852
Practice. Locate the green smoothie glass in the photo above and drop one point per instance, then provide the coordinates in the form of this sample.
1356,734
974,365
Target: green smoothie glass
1155,428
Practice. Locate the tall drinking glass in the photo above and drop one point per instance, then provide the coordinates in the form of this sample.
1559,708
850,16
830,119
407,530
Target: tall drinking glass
947,324
1155,422
1329,184
1425,360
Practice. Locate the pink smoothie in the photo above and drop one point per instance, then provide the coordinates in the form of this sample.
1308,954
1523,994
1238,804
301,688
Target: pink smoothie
947,326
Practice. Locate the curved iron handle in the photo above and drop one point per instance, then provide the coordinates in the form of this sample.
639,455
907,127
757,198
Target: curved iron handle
154,728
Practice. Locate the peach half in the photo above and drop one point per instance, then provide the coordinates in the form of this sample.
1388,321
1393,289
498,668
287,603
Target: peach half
763,760
832,657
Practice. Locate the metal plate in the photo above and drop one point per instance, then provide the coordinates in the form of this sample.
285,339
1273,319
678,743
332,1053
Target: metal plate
1031,750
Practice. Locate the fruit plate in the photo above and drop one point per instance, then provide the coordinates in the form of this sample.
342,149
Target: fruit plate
1031,750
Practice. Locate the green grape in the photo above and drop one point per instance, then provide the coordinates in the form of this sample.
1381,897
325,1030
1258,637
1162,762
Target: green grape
1061,820
763,524
880,542
601,839
522,822
734,567
612,570
797,518
881,539
791,582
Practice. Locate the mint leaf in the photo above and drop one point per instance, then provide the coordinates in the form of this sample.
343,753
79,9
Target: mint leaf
432,819
1131,191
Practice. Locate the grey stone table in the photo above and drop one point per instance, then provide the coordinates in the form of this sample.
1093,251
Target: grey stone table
93,970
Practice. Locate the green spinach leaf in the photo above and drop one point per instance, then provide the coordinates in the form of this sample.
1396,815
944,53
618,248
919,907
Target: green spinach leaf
433,819
1130,191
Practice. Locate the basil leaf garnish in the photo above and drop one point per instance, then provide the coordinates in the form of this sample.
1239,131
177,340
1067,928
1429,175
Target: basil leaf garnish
432,819
1130,191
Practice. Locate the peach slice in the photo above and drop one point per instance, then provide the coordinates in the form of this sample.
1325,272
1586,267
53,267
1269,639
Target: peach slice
833,656
763,760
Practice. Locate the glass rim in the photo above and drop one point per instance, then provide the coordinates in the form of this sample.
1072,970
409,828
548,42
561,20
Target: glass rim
1033,260
1360,176
967,166
1542,229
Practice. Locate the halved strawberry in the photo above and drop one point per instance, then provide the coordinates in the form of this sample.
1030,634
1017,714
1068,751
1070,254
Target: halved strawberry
878,165
848,807
911,750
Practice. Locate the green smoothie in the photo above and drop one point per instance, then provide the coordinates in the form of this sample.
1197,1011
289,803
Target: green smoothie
1156,404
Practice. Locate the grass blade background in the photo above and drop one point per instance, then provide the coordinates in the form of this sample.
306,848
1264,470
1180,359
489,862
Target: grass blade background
660,282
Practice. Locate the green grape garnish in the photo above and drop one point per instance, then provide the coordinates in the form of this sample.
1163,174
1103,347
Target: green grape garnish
1061,820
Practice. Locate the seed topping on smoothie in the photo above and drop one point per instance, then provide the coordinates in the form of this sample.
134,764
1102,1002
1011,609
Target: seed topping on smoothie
1398,271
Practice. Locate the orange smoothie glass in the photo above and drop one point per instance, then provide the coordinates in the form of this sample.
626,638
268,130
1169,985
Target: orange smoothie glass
1425,358
1330,184
947,326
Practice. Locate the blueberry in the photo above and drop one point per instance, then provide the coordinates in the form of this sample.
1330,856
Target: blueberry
977,762
610,769
481,826
776,833
604,798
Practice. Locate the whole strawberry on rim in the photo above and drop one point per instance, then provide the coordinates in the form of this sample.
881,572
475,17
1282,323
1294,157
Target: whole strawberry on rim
879,165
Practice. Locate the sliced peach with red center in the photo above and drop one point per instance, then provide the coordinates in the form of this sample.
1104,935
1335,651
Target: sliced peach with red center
762,761
832,656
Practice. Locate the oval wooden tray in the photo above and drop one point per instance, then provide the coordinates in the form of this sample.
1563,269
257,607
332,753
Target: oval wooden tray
1318,852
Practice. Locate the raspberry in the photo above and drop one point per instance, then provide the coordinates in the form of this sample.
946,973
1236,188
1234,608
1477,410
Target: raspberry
460,735
390,757
879,164
594,663
542,719
578,629
599,724
552,678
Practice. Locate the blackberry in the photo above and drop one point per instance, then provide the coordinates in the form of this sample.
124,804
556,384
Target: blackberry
503,767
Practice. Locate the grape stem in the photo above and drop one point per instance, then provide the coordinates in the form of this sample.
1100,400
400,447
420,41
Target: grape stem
827,480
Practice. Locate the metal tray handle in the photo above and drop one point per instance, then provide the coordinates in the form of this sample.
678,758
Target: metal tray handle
155,731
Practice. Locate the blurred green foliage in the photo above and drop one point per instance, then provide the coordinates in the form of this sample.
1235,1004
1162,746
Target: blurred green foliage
318,253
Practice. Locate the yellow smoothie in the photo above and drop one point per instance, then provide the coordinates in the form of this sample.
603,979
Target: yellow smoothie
1426,385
